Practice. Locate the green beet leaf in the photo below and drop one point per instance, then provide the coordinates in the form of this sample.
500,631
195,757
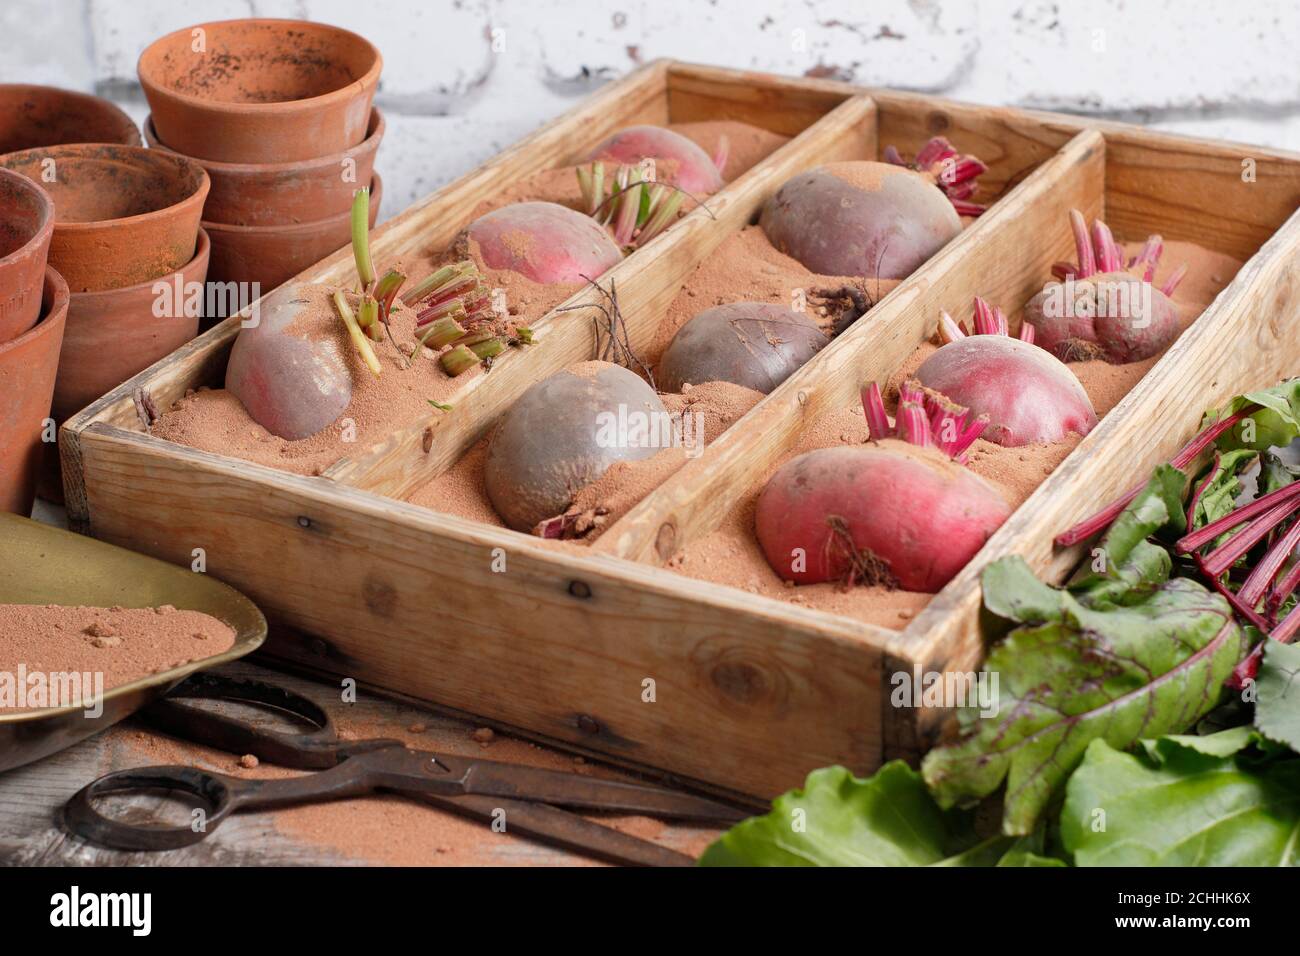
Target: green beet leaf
1277,694
888,819
1073,673
1186,808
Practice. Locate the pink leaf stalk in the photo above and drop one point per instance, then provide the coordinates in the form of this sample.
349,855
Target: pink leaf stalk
956,174
923,419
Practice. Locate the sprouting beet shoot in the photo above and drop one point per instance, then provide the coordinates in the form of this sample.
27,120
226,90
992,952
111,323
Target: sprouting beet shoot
1101,306
900,512
1028,396
873,219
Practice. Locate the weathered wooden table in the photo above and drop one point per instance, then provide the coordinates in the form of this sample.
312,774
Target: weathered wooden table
381,829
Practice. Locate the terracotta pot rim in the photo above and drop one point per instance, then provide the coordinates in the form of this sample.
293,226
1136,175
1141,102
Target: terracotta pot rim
98,102
183,163
293,228
62,297
368,79
375,130
47,215
202,248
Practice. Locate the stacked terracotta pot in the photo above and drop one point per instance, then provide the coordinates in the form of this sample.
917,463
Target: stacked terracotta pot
279,114
112,219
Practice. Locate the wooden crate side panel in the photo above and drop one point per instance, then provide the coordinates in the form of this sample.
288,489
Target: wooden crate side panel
1245,340
646,286
776,103
561,645
1003,256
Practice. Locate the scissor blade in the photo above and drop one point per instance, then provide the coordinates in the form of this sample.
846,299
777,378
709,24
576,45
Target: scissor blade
491,778
559,828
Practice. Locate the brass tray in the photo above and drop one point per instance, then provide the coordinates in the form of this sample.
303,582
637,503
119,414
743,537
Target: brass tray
40,564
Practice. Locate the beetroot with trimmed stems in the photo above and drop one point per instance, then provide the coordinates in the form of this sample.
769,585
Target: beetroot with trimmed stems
680,161
561,435
1029,396
874,219
899,512
1102,307
544,241
753,344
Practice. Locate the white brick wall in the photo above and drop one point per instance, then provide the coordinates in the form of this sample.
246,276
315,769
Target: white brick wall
1224,69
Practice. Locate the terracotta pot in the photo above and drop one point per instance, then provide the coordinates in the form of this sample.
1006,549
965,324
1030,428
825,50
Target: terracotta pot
27,368
26,225
260,91
272,255
123,214
33,116
113,335
276,194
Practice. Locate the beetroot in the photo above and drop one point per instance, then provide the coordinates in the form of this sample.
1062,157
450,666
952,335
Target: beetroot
1029,396
896,513
753,344
1100,309
544,241
562,434
873,219
679,161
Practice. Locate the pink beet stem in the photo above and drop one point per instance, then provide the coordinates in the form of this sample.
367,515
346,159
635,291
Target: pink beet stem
1149,258
934,151
986,322
1004,327
1262,576
1203,536
1249,613
892,155
1174,279
873,406
949,329
1082,245
1109,256
962,171
1282,589
965,208
721,153
1232,550
1102,519
1026,333
913,427
1063,270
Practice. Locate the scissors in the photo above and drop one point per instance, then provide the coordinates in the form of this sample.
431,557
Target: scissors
530,797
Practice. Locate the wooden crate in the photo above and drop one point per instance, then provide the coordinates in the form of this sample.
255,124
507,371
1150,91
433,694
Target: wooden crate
749,693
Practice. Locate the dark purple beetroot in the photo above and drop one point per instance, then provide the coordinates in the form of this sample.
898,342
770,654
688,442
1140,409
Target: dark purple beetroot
753,344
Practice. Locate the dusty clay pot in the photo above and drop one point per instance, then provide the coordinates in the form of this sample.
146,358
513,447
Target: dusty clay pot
27,368
26,225
123,214
272,255
260,91
34,116
277,194
113,335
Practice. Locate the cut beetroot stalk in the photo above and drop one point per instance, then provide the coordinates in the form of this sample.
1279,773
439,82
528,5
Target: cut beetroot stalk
985,320
1174,279
1283,589
1149,257
1082,245
1203,536
1242,609
721,153
1235,548
1063,270
1102,519
459,360
965,208
1027,333
873,406
949,329
1109,256
1262,575
954,173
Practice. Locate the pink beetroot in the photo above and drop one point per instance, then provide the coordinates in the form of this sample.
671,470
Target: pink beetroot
544,241
1103,308
1028,396
679,161
873,219
899,512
